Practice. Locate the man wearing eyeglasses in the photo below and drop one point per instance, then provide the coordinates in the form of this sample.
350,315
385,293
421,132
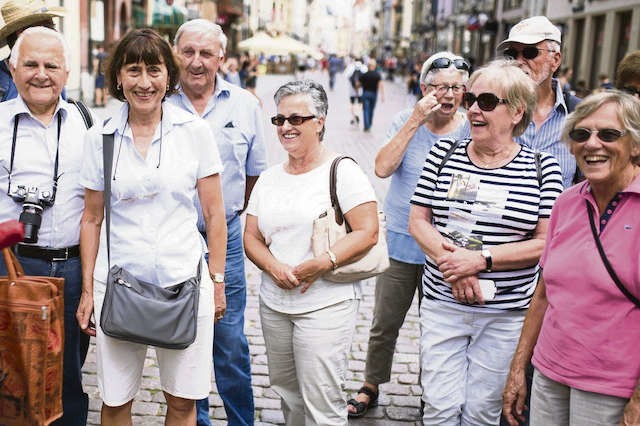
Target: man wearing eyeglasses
236,120
535,44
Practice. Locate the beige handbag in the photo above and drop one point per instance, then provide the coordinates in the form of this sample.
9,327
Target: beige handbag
332,226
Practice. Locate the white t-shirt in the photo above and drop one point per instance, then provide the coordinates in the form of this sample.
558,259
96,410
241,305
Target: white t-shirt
286,206
153,218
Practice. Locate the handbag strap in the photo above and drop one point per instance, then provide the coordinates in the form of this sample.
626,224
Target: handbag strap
107,160
607,265
333,194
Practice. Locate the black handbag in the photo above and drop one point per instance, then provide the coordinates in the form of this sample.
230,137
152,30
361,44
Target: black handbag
607,264
141,312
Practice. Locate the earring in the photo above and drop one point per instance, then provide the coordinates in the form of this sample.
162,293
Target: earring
119,86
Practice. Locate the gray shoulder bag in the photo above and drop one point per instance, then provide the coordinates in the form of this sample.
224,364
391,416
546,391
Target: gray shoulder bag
141,312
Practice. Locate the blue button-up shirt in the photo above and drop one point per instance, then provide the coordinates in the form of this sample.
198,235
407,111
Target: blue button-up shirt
547,137
235,118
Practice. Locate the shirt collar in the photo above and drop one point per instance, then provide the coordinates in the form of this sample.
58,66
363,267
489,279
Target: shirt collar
20,107
171,116
555,84
222,90
633,188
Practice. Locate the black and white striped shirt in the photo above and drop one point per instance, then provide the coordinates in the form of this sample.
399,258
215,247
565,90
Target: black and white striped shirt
479,208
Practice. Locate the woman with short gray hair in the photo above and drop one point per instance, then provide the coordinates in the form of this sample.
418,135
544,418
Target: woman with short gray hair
307,321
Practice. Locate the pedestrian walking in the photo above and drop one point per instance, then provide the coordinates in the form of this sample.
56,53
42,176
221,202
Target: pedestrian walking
235,118
307,321
412,133
41,143
371,82
163,157
581,327
353,72
480,213
99,63
535,44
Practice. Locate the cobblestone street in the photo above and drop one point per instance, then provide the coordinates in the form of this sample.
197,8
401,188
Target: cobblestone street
399,401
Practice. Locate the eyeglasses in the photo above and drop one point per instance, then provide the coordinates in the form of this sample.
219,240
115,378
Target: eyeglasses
486,101
631,90
442,63
441,89
582,134
294,120
528,52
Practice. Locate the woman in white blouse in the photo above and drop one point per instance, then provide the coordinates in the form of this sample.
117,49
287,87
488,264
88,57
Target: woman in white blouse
163,157
307,322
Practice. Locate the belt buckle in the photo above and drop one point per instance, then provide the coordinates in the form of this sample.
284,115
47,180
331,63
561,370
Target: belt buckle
60,259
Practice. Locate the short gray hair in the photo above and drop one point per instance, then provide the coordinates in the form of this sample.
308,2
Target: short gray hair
15,51
427,75
518,89
202,27
627,106
318,103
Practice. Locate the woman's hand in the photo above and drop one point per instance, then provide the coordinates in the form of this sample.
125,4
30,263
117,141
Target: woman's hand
84,313
310,270
514,396
631,416
283,275
467,290
459,262
219,301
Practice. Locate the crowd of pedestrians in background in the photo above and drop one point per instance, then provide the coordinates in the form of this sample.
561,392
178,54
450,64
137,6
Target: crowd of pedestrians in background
511,214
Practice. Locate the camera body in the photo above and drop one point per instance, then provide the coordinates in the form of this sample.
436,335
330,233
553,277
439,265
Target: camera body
33,203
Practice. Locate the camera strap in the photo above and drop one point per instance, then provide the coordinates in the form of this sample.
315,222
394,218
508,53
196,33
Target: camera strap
55,164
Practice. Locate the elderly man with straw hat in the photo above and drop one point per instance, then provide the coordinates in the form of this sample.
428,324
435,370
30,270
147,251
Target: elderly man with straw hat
18,15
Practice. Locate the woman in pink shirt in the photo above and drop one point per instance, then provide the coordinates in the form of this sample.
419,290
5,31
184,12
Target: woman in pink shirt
582,330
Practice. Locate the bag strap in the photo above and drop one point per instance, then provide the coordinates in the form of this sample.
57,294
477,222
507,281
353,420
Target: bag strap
107,163
455,144
607,265
536,158
84,112
333,177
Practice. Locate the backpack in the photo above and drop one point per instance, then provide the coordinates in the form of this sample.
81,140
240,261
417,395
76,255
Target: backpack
355,77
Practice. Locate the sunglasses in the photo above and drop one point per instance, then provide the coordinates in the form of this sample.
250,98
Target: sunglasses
631,90
528,52
486,101
581,134
443,63
294,120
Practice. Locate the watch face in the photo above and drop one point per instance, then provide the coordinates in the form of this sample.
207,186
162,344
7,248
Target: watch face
218,278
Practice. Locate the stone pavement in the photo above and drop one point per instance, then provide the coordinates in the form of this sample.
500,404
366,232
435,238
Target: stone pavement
399,402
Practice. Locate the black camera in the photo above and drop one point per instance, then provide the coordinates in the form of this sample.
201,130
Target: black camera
33,203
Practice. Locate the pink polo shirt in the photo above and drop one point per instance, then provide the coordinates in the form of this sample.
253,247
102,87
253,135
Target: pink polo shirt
590,337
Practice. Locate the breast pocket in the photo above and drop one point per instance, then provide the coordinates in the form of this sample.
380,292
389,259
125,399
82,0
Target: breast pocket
233,145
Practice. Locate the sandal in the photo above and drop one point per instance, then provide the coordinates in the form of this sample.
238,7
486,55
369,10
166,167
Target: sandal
362,407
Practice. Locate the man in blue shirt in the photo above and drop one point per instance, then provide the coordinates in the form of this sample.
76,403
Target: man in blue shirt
235,118
535,43
17,17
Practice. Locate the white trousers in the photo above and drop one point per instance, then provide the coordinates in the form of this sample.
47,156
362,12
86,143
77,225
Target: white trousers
307,357
465,359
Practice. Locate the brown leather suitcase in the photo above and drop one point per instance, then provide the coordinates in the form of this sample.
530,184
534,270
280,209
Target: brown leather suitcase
31,346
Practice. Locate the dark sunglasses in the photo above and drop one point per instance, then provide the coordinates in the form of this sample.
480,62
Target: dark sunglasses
528,52
631,90
443,63
581,134
486,101
294,120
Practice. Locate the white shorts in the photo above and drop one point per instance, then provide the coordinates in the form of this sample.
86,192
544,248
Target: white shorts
184,373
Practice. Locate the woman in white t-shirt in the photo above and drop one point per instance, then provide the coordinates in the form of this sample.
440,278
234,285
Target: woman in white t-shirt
307,322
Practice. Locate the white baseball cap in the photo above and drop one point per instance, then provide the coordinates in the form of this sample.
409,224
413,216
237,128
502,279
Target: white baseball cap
532,31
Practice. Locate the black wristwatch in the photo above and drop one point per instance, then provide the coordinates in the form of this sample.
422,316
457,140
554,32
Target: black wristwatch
487,258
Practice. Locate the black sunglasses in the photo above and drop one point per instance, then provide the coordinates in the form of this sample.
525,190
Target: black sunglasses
443,63
294,120
631,90
486,101
582,134
528,52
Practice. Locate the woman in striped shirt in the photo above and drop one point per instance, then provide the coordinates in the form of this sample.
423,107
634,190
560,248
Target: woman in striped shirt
480,213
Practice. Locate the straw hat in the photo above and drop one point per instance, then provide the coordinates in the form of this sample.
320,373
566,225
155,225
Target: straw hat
19,14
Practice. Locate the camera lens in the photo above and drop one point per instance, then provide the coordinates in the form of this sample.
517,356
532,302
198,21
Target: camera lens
31,218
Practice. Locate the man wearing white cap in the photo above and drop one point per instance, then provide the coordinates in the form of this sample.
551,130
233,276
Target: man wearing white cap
18,15
535,43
